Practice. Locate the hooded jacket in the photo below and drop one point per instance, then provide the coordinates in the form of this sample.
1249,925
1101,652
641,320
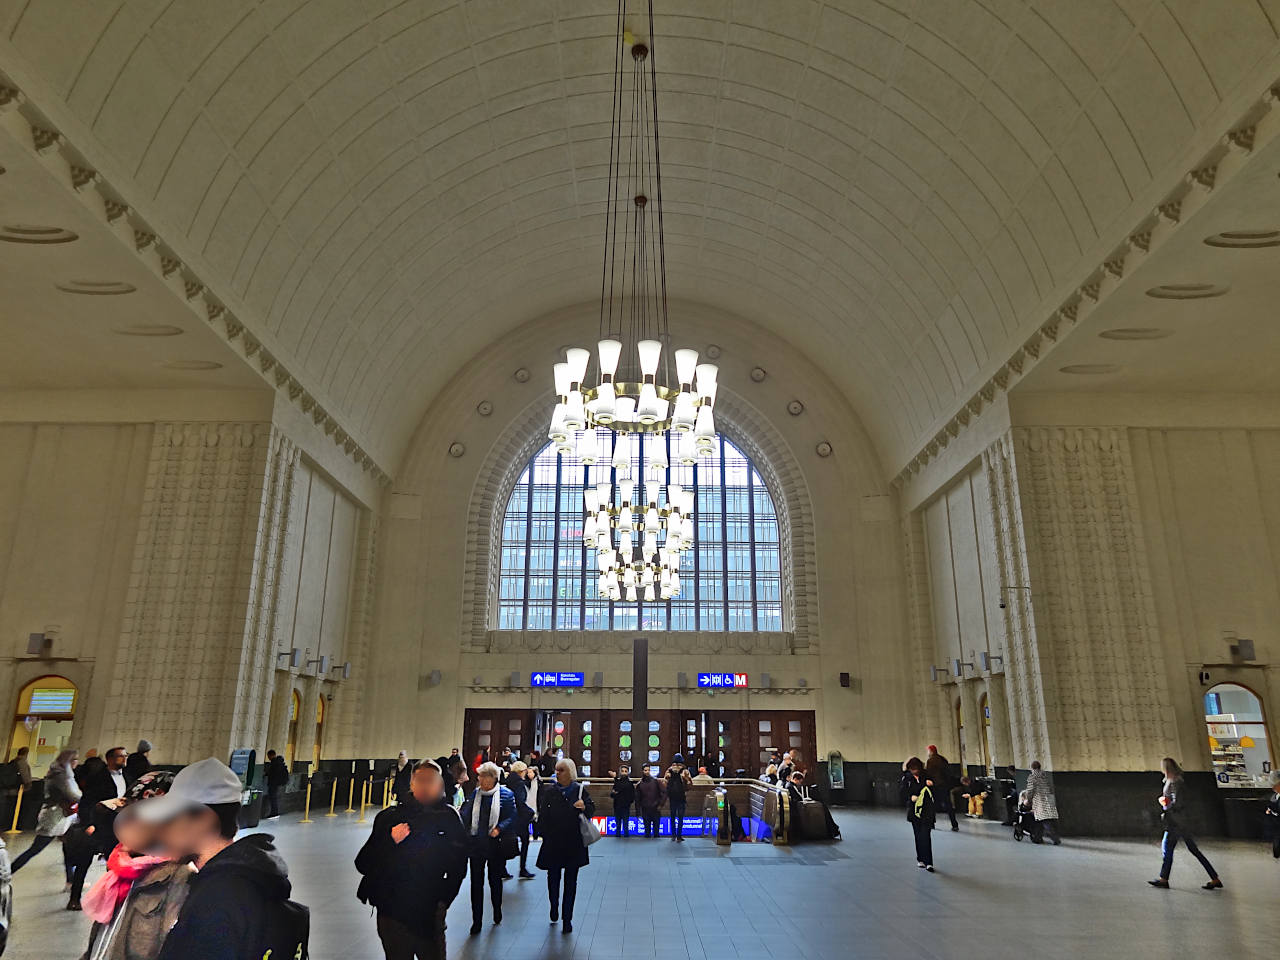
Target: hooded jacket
407,880
238,908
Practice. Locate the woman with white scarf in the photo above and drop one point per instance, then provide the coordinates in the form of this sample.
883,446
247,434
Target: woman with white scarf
488,813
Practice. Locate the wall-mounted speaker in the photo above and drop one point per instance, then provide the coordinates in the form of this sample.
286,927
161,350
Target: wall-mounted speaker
844,680
598,679
682,680
515,678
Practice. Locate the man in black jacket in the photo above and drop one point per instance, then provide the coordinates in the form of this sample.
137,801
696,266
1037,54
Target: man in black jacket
277,773
624,795
94,835
413,865
239,906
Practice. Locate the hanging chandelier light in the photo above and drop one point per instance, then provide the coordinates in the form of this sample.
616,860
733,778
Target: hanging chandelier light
639,533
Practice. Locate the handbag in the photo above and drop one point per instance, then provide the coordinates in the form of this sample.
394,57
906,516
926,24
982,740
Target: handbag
586,826
509,845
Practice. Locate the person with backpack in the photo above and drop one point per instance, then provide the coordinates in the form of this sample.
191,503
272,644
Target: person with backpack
61,794
917,794
678,782
624,795
937,769
238,905
14,774
277,773
412,867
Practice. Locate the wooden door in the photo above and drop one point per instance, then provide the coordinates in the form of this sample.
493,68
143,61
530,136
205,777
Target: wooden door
496,731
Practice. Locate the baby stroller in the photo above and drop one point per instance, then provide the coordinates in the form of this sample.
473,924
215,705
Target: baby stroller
1024,821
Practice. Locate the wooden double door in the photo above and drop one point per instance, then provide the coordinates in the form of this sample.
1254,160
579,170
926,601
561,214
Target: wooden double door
599,741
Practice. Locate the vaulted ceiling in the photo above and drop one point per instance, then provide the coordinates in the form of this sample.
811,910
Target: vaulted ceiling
902,188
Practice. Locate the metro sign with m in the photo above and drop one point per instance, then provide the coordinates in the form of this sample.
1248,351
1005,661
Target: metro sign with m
722,680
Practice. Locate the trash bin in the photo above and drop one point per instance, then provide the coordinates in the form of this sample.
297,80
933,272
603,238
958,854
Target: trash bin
250,809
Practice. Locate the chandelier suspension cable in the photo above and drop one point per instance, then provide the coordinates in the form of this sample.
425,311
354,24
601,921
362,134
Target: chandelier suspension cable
638,523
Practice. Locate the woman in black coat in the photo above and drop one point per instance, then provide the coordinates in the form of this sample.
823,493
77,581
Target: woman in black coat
917,795
561,806
517,782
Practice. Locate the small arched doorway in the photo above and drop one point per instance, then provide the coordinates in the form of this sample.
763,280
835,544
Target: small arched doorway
295,708
44,717
1238,743
319,740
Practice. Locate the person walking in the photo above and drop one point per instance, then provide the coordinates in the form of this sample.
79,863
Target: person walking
139,762
518,782
399,774
938,769
916,793
238,907
277,774
61,794
561,807
1044,806
487,814
93,834
135,903
14,774
1271,815
649,794
412,867
1175,829
623,794
678,781
1009,793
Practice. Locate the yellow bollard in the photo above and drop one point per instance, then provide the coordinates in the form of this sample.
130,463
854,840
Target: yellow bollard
351,791
306,812
17,806
384,794
364,798
333,797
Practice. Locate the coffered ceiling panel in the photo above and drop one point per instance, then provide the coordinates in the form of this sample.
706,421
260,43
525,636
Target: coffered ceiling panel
902,188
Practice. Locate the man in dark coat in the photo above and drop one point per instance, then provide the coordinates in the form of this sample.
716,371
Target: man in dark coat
277,773
937,769
94,835
413,864
239,906
400,773
624,795
139,762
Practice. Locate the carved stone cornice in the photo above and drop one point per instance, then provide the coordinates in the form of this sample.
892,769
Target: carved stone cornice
1153,227
81,177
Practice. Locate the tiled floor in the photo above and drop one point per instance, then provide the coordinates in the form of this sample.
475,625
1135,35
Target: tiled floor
863,897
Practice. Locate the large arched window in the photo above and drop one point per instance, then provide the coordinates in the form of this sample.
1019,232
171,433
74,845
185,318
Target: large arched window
733,581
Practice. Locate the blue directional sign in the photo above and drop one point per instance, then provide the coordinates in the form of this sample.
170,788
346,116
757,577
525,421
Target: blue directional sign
729,680
550,678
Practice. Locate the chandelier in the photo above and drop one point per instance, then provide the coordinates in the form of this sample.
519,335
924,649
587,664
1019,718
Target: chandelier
638,531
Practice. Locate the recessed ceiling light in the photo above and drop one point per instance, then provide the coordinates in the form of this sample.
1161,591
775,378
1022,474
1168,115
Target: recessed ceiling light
1244,239
98,288
191,365
1186,291
1136,333
31,233
1087,369
150,330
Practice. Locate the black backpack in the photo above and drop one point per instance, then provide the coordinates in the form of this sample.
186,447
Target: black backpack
290,927
10,778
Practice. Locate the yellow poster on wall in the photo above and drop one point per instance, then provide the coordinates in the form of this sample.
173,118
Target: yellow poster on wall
1247,742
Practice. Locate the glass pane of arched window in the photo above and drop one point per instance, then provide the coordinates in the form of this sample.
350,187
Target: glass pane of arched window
733,580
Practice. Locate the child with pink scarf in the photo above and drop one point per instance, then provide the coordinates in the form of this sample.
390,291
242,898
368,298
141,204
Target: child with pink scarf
136,902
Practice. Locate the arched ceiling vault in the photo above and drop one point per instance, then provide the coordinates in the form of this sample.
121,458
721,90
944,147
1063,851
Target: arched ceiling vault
897,187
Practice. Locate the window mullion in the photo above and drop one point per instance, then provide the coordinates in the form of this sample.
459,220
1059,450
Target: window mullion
528,540
751,543
724,531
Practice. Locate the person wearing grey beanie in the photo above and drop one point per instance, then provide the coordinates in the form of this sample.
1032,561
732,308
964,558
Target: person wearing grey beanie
139,763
